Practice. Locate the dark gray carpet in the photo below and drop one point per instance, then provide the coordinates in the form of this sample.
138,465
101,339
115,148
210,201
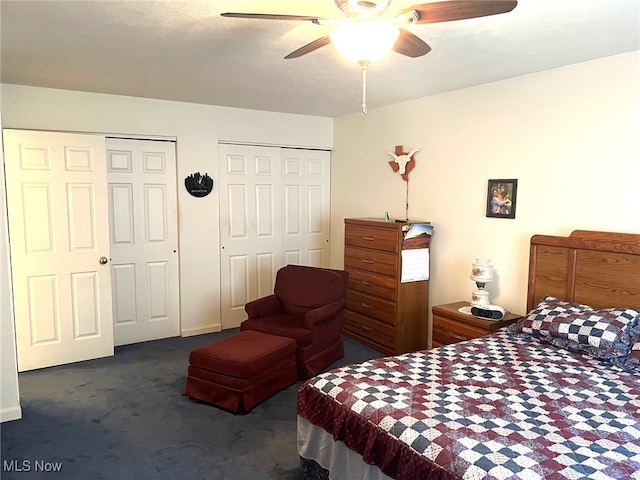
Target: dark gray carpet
124,417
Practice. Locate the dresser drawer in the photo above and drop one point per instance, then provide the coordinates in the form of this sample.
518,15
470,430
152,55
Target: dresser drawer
374,307
370,329
371,260
371,237
447,331
373,284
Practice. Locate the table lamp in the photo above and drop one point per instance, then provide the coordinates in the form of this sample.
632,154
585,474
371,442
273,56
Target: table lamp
481,273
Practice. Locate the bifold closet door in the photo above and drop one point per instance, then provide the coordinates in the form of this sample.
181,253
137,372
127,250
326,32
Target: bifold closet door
59,233
306,194
274,210
144,239
250,226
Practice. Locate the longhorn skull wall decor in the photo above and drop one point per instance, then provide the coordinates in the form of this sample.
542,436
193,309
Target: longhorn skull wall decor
403,163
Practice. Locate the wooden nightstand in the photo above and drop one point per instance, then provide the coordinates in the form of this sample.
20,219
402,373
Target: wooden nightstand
451,326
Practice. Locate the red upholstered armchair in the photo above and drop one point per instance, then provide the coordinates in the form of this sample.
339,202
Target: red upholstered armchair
308,306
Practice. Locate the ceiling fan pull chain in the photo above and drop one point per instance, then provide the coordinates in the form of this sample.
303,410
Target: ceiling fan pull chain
364,89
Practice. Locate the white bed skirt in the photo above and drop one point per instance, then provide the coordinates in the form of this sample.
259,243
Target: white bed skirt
315,443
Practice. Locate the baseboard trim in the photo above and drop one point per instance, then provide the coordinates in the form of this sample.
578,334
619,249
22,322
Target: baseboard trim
9,414
201,331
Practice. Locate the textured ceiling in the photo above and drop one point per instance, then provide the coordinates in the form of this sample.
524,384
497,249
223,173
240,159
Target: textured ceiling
185,51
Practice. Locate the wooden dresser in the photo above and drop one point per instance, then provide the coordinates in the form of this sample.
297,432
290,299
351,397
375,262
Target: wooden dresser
382,312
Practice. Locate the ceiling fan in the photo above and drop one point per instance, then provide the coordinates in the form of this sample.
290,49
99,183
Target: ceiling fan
366,33
362,12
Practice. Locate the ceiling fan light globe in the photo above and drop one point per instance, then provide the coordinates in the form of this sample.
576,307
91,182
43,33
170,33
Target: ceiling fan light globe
351,8
364,42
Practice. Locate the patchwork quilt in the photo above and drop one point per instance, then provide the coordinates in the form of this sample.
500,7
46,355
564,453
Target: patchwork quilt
498,407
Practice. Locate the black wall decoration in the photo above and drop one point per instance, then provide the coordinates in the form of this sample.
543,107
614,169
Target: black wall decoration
199,185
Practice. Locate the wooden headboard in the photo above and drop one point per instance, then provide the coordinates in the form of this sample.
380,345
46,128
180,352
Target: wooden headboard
599,269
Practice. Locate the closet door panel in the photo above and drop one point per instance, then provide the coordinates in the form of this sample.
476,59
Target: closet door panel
274,211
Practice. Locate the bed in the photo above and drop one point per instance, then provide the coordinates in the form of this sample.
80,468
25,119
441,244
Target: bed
556,395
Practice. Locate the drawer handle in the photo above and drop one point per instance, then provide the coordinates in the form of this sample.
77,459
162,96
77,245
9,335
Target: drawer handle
368,284
366,329
366,260
366,305
369,239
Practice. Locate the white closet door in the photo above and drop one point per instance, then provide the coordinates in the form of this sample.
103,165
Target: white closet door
250,226
274,211
144,239
59,232
306,190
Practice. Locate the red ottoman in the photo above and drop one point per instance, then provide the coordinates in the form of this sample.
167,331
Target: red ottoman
239,372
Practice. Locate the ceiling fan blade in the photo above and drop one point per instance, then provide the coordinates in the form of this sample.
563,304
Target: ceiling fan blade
310,47
270,16
410,45
460,9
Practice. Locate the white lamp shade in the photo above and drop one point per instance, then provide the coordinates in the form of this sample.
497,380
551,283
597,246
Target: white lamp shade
364,41
481,270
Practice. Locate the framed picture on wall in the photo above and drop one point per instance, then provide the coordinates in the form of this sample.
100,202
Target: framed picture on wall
501,198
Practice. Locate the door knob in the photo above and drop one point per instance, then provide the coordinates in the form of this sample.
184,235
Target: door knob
103,260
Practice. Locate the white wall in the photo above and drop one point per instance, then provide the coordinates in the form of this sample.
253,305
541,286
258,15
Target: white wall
9,392
569,135
198,129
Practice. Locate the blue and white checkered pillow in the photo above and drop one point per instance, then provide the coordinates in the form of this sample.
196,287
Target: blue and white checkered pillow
602,333
632,362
